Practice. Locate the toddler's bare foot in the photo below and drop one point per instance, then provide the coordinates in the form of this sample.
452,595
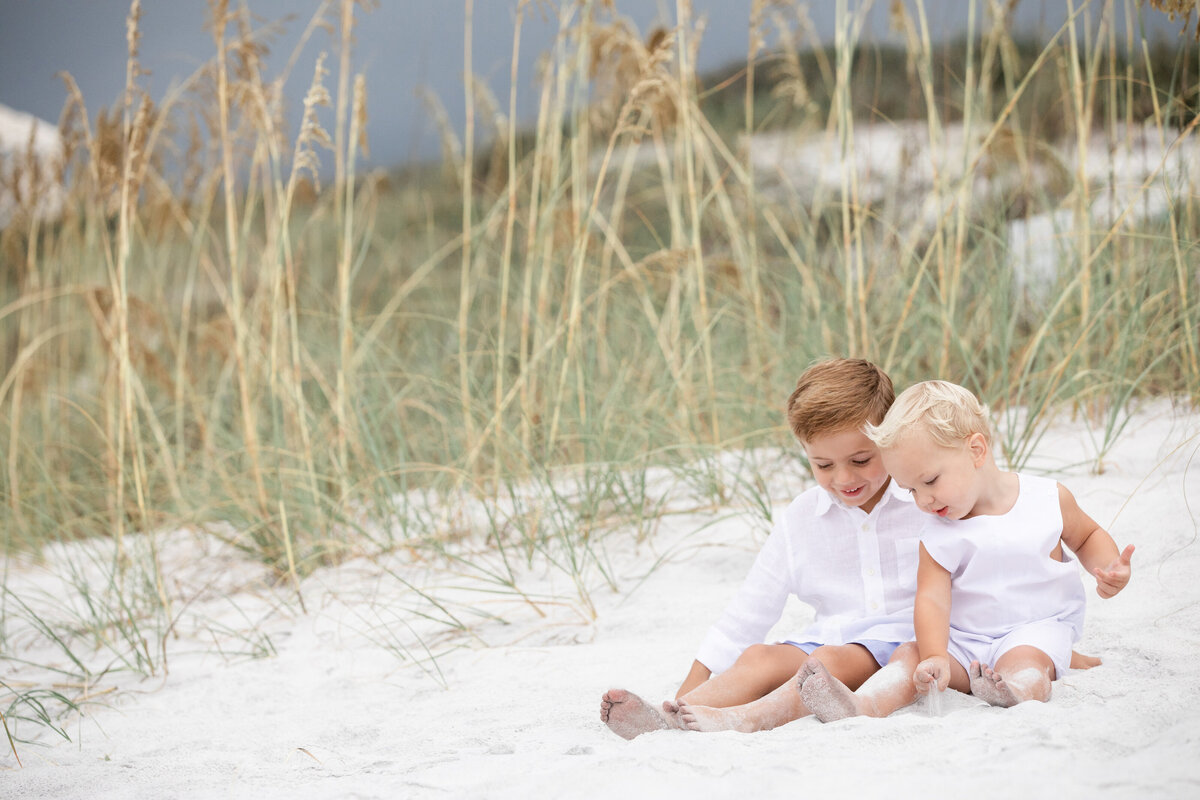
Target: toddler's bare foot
828,698
1080,661
708,719
629,715
988,686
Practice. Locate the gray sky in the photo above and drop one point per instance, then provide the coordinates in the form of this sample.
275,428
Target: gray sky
402,44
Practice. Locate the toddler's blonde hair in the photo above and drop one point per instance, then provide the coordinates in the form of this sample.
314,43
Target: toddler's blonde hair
946,411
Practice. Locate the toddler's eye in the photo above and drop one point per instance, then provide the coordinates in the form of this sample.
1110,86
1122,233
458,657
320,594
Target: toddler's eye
932,480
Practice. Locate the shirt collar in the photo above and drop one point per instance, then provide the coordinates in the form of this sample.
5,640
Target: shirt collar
826,501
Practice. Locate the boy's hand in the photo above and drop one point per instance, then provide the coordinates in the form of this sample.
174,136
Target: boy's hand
1113,578
934,670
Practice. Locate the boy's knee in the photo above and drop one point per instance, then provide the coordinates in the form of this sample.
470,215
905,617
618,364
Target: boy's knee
756,655
772,658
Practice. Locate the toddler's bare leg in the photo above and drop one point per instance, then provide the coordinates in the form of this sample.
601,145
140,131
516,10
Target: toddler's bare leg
628,715
779,707
1023,673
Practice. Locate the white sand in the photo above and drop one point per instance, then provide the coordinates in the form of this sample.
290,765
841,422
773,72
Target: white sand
336,714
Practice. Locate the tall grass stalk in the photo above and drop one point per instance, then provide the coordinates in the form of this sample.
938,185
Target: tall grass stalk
468,194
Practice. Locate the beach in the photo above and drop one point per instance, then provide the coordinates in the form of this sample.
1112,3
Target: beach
259,698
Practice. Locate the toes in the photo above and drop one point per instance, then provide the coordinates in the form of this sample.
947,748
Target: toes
809,668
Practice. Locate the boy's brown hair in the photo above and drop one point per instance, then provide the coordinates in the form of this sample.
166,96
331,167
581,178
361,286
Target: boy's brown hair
838,395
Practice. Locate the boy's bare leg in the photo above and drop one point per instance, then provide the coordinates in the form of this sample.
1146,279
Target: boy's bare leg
628,715
697,675
781,706
889,689
758,671
852,663
1023,673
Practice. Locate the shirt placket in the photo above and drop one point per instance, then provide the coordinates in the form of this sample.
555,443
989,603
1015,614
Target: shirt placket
872,578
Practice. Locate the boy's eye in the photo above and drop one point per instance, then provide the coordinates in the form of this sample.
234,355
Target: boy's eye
823,466
862,462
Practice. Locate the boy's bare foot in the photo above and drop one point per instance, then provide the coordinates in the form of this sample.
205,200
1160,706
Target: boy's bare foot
629,715
990,687
707,719
828,698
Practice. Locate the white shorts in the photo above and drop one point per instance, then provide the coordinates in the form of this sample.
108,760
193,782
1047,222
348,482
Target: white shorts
1052,637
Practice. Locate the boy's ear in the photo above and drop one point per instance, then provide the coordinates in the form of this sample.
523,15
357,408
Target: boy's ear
977,444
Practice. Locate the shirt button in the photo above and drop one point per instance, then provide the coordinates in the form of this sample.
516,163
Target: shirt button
874,606
866,527
871,572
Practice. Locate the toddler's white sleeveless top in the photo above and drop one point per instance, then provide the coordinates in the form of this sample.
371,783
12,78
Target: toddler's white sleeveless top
1002,574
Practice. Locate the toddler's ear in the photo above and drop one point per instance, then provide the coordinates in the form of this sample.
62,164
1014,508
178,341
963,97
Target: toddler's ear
977,443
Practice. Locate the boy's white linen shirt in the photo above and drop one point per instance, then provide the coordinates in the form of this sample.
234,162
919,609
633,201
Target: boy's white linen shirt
858,571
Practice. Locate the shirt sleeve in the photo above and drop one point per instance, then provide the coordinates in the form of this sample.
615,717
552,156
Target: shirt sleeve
943,546
756,607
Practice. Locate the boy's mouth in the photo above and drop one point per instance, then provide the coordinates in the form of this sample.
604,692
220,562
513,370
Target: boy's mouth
855,492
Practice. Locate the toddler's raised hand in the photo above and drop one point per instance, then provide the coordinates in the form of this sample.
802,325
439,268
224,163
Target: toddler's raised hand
1113,578
934,670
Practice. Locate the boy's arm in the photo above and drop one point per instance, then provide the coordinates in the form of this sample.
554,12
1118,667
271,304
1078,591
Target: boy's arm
755,608
698,675
931,618
1093,546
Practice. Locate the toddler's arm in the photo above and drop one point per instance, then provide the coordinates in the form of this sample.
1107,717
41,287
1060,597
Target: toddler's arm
931,618
1095,548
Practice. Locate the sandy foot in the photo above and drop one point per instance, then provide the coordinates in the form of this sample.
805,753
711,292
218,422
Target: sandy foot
989,686
828,698
707,719
1080,661
629,715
